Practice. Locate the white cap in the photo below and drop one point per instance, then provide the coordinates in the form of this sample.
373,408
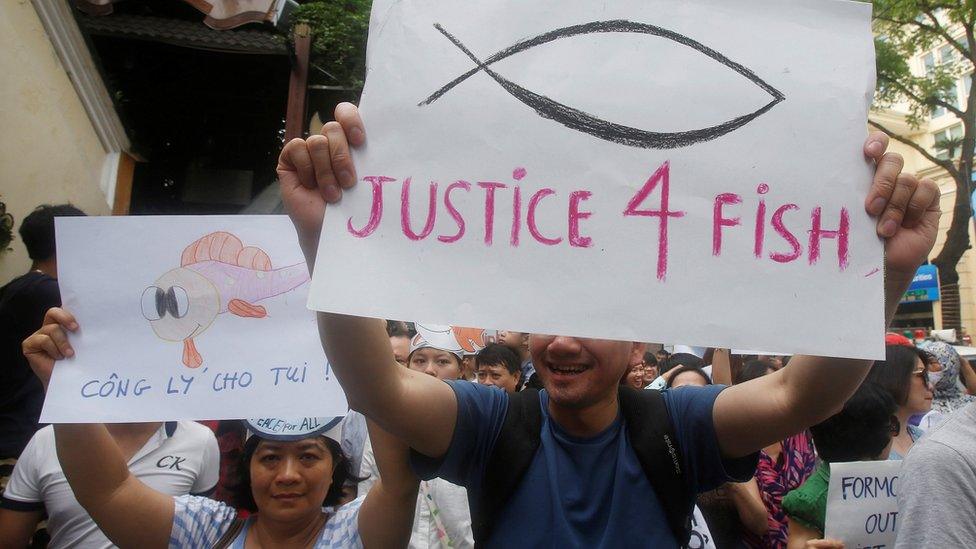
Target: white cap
291,429
455,340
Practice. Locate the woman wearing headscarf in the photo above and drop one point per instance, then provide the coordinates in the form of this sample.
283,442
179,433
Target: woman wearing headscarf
947,395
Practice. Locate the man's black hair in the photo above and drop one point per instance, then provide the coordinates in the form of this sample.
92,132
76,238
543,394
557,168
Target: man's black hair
37,229
397,328
495,354
650,359
682,369
341,474
753,369
861,430
681,359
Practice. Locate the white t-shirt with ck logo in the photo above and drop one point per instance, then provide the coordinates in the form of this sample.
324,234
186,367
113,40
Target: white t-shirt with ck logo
180,458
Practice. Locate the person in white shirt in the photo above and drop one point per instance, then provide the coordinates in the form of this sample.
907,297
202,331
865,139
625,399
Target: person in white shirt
175,458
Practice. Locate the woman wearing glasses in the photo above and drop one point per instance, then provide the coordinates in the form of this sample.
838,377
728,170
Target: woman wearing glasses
905,375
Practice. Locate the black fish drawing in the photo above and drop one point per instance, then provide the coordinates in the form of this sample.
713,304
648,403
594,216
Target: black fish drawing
587,123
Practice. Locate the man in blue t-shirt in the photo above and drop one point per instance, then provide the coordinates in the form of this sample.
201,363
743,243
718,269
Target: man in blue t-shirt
585,486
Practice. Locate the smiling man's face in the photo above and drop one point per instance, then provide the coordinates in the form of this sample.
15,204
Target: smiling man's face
580,372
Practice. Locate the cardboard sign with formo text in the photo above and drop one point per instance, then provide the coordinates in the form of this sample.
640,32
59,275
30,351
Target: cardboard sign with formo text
862,503
642,170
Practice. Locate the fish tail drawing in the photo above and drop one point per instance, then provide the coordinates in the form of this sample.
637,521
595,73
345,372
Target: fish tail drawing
586,123
450,85
279,281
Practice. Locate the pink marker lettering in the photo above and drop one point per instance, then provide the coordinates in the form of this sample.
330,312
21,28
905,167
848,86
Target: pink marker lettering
841,234
662,175
785,233
516,216
530,221
718,221
456,215
376,211
405,211
574,218
760,222
489,187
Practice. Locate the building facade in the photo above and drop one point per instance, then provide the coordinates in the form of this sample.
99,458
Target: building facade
939,128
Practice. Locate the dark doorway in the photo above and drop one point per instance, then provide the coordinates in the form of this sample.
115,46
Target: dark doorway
206,124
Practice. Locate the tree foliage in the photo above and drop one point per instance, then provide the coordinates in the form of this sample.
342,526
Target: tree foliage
908,27
339,29
904,30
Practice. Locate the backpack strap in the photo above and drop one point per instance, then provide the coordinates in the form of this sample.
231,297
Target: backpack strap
652,436
515,447
231,534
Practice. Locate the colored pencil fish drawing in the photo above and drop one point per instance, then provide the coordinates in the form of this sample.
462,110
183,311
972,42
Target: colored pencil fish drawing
217,274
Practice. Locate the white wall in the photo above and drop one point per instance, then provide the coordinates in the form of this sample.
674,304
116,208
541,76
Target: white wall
49,152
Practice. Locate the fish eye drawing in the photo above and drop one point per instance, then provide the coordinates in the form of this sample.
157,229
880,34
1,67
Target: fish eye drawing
217,274
583,122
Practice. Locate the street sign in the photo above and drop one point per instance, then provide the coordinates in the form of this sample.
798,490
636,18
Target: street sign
925,285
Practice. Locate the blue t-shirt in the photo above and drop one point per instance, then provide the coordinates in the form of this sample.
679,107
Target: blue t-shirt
581,492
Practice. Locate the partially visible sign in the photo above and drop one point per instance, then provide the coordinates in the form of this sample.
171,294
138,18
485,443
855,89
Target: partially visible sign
862,503
701,537
925,285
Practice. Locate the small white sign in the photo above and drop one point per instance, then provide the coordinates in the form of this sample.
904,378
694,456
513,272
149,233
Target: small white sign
862,504
188,317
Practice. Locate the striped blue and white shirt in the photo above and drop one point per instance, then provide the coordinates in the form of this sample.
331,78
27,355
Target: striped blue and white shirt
200,522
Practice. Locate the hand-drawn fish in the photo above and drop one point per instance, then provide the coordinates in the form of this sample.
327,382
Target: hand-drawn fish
217,274
581,121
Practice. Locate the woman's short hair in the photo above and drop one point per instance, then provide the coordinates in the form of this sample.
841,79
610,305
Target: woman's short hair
894,373
861,430
341,474
682,369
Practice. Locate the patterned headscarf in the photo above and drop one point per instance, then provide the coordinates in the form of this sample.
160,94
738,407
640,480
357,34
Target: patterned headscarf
947,395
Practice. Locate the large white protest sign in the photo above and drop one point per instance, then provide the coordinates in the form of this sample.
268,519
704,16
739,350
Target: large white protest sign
187,318
862,503
644,170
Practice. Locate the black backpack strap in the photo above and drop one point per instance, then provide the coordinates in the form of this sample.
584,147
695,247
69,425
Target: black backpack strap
515,447
652,436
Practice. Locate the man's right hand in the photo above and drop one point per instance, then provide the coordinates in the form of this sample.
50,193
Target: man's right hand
313,172
50,343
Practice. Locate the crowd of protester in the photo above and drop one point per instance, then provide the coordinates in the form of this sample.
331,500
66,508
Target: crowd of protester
531,440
